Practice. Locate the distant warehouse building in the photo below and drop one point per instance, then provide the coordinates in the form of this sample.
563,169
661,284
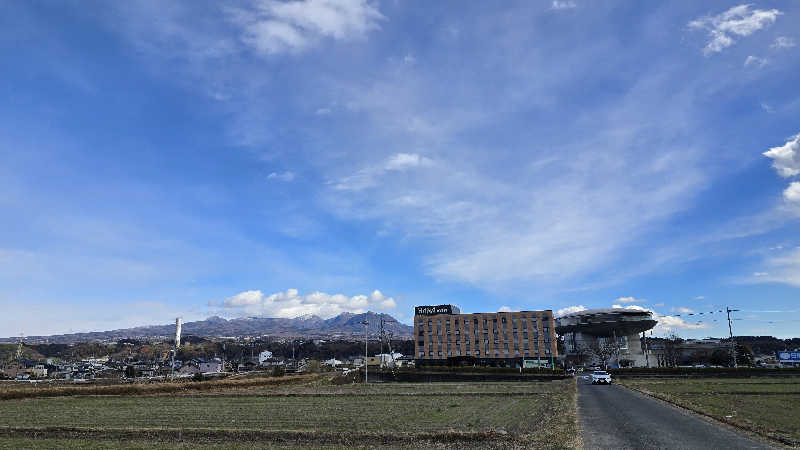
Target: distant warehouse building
444,336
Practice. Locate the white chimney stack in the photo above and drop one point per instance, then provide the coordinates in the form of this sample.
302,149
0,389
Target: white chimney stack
178,332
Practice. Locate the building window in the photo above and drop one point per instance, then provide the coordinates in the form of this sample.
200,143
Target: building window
503,320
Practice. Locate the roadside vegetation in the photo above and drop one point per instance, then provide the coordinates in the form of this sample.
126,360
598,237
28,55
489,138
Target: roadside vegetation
766,406
308,411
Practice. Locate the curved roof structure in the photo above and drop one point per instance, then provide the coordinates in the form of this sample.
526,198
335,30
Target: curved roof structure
606,321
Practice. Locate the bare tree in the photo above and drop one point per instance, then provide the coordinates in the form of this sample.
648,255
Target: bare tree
671,353
602,352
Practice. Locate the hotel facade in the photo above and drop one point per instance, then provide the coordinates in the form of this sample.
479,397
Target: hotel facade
444,336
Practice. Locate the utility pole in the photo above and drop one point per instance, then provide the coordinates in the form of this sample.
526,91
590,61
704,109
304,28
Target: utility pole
366,350
730,330
381,363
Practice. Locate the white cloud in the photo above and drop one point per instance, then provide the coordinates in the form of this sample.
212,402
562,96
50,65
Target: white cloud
630,300
792,193
383,302
291,26
755,60
760,274
245,298
292,304
404,161
570,310
370,176
285,176
667,324
700,297
505,308
738,21
409,59
783,42
766,107
658,305
682,309
636,307
322,111
786,158
563,4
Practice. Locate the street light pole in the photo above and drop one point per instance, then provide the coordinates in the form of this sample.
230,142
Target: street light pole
366,350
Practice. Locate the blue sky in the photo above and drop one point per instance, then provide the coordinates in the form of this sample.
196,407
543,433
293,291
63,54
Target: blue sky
280,158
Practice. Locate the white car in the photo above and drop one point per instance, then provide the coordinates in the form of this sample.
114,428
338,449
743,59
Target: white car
601,377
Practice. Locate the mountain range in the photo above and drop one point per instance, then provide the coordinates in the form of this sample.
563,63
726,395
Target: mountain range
345,325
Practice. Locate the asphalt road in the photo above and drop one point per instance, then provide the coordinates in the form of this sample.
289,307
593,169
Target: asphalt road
613,417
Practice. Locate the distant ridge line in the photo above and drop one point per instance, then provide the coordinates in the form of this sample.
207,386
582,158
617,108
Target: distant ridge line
343,325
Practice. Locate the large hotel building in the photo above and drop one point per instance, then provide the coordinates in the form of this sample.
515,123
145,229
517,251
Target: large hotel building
442,335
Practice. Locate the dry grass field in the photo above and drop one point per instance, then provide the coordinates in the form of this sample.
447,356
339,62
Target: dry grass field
767,406
313,413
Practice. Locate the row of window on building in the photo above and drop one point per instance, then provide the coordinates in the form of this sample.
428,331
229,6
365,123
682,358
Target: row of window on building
499,330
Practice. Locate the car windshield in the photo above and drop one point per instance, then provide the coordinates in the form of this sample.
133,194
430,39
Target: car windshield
600,372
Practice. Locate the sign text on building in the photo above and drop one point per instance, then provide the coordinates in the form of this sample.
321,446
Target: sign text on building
431,310
788,356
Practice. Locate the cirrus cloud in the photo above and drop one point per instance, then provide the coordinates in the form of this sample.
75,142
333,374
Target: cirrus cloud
630,300
739,21
293,26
